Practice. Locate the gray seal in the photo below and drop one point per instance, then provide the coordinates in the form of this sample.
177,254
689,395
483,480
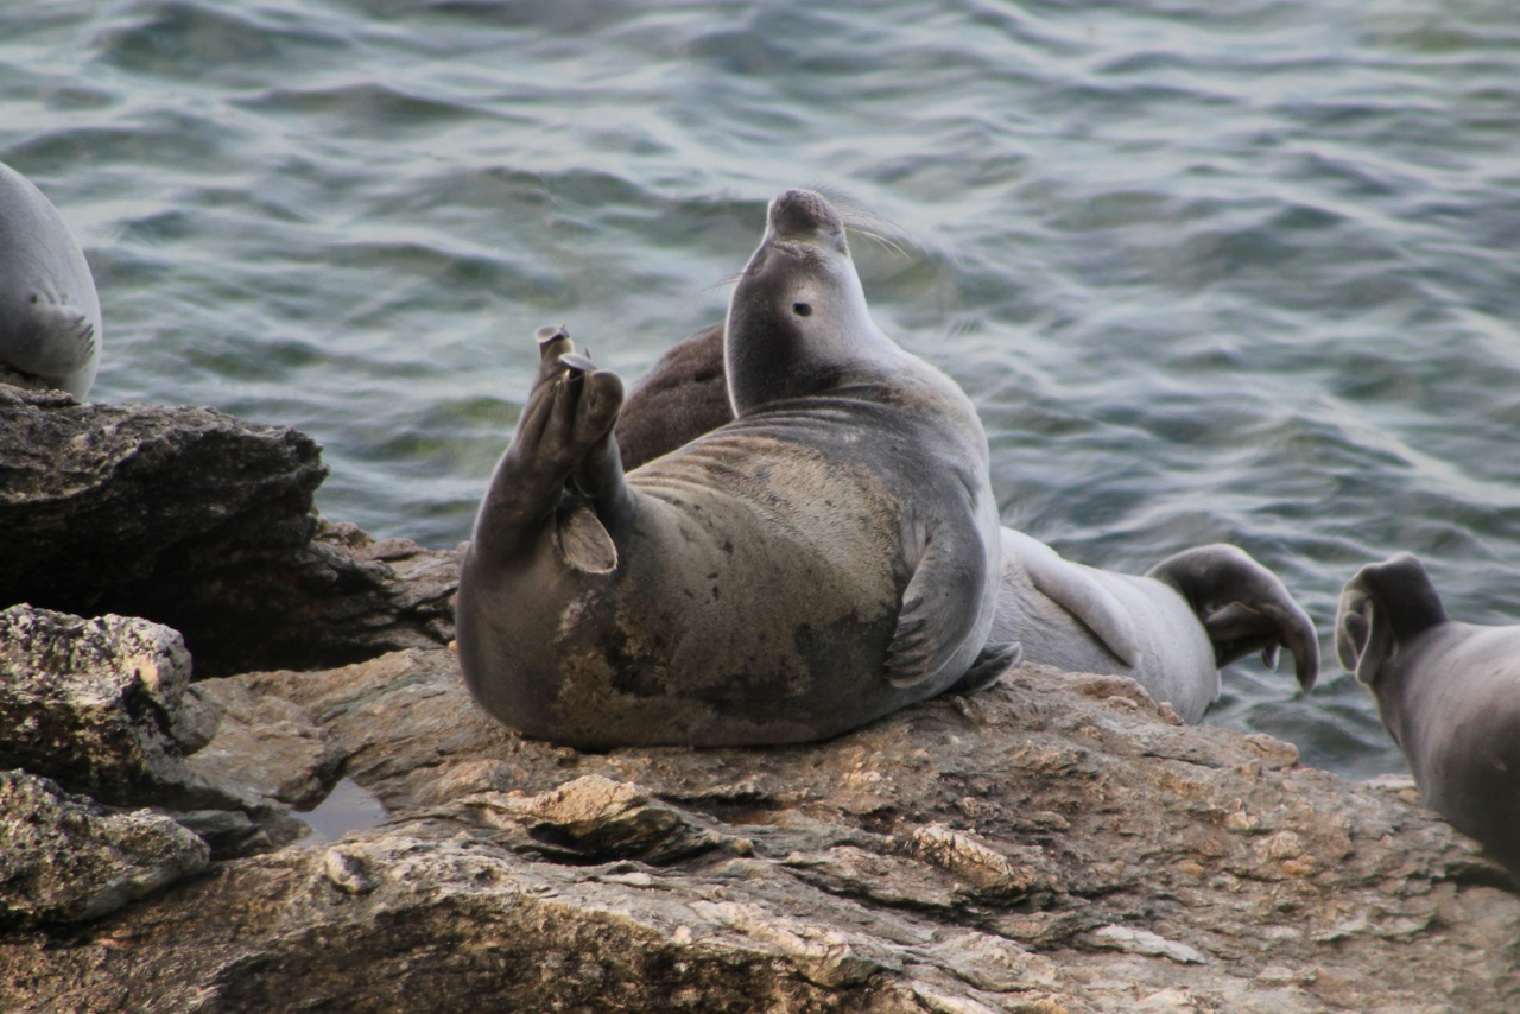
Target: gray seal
1170,629
50,327
683,396
828,556
1448,693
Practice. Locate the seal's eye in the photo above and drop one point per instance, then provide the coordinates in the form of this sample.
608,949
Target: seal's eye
802,309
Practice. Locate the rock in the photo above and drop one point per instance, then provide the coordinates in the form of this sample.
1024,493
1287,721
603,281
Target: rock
266,745
1032,847
200,521
101,707
105,708
594,818
232,833
1139,941
64,858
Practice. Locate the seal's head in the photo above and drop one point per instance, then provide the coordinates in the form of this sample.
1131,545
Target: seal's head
1383,606
797,320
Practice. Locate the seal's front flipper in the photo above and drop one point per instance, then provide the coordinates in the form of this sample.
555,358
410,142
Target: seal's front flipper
584,542
1243,607
58,339
933,621
992,662
1075,589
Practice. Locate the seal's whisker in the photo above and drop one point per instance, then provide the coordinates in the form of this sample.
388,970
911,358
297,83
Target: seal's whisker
691,301
864,221
892,243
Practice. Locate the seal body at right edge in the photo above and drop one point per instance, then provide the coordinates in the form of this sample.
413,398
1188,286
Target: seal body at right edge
1448,693
50,326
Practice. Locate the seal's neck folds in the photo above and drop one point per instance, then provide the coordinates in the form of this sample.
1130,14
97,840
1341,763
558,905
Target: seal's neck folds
797,321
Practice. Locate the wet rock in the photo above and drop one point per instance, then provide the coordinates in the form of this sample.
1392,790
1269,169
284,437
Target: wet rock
65,858
231,833
1044,844
200,521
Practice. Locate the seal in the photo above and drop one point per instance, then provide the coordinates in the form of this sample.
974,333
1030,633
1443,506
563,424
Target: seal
1170,630
828,556
50,327
683,396
1448,693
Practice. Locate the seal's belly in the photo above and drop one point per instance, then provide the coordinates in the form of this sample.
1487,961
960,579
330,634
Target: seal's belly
761,585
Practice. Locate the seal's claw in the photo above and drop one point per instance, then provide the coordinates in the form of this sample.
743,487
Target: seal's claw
1243,607
553,342
576,362
994,660
545,335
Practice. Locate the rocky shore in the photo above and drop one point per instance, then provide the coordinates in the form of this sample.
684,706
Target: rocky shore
1054,842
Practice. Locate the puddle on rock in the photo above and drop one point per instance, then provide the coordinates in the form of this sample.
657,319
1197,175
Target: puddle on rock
348,807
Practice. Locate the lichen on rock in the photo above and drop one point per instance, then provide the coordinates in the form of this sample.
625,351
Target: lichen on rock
65,858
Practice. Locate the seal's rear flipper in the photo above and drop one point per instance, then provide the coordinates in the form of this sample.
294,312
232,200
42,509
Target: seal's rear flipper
561,471
1243,607
1383,605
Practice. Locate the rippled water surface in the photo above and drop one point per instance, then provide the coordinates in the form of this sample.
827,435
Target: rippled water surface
1239,272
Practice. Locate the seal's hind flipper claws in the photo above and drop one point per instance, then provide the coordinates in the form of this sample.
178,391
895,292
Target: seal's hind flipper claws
1243,606
575,362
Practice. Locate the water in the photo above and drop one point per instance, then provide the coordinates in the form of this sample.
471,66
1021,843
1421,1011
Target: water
348,807
1241,274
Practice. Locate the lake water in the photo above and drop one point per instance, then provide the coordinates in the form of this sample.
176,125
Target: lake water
1241,272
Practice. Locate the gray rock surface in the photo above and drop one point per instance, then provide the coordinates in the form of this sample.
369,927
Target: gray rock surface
196,519
65,858
1051,843
102,707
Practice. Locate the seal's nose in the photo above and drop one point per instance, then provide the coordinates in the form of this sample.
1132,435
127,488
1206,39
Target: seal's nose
802,213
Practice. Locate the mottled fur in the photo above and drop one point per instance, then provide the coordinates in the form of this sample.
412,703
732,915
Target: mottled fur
1170,629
